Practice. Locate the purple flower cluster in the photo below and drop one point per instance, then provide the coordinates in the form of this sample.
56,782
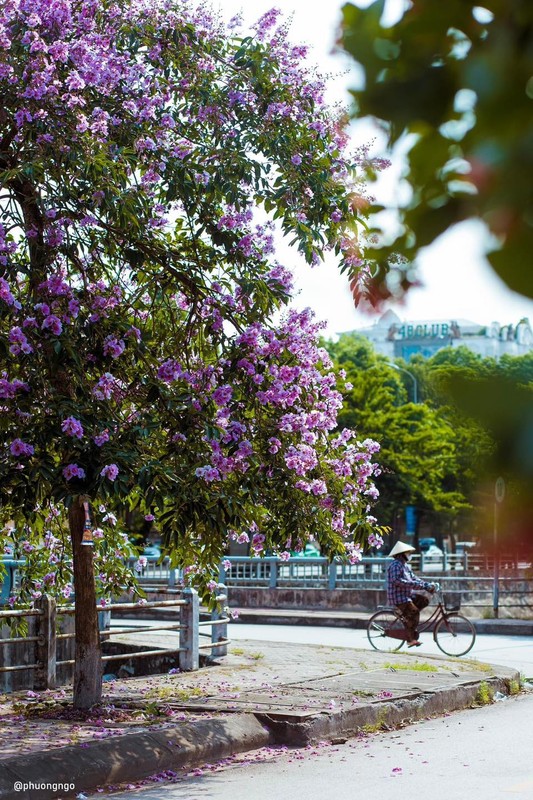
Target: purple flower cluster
73,471
107,387
101,438
114,347
110,471
5,293
72,427
19,448
9,389
19,342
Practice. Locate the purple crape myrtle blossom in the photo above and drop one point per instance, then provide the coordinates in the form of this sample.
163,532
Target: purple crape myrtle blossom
139,289
20,448
72,427
110,471
101,438
73,471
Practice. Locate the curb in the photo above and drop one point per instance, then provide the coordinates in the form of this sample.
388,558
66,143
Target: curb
346,619
379,716
126,758
341,619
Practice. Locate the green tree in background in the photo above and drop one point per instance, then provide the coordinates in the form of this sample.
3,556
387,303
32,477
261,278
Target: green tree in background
443,453
431,454
498,396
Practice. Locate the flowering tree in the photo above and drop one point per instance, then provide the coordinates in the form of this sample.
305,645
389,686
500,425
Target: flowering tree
140,361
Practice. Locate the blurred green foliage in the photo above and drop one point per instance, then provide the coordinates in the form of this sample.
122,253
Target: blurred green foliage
457,77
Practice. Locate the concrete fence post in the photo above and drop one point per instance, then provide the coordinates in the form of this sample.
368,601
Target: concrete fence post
332,575
220,631
273,582
189,657
172,578
45,649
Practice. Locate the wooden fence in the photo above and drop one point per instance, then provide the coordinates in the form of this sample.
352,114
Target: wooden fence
43,657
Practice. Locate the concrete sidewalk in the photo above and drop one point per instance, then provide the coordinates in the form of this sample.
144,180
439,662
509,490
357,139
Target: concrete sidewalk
261,693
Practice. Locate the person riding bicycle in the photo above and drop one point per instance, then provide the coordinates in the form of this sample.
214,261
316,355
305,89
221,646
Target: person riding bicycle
401,583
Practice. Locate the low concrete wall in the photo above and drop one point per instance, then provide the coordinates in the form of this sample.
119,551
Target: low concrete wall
516,598
475,601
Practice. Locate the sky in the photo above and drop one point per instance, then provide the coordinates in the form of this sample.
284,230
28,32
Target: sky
457,282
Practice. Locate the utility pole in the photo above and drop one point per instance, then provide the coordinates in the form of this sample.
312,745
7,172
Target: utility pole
499,494
415,382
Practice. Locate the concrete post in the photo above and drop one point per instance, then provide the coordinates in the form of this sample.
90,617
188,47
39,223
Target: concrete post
332,575
172,578
45,650
220,631
273,564
189,657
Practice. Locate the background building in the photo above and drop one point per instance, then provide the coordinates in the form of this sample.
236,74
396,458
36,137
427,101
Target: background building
395,338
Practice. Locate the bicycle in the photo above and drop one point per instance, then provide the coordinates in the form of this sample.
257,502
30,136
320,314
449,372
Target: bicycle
453,633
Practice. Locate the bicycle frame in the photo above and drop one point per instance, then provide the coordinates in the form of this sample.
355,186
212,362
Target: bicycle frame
429,624
438,613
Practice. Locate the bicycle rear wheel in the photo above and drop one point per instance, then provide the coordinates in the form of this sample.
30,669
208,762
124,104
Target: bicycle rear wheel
454,635
384,630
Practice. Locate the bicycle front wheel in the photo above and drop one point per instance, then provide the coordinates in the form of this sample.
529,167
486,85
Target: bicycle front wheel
455,635
384,631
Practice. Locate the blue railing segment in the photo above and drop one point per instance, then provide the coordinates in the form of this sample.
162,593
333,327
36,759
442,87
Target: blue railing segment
9,580
273,572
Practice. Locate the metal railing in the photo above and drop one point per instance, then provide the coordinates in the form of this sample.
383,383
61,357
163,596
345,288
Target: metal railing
271,571
472,574
368,579
318,572
155,571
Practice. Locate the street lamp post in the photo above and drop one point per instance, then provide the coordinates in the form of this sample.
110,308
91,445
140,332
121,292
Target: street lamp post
415,382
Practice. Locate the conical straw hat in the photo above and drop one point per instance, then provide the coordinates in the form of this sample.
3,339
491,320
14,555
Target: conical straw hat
401,547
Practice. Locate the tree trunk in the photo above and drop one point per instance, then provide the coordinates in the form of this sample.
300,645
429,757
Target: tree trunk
88,664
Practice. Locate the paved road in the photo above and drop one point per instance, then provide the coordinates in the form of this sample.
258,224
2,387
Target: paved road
479,753
508,651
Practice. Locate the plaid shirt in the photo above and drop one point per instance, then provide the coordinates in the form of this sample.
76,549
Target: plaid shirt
401,581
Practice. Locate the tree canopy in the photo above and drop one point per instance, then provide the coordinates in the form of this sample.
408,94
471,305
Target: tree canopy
456,78
432,455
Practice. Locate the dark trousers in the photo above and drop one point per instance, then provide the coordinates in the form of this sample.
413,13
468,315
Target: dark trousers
411,614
